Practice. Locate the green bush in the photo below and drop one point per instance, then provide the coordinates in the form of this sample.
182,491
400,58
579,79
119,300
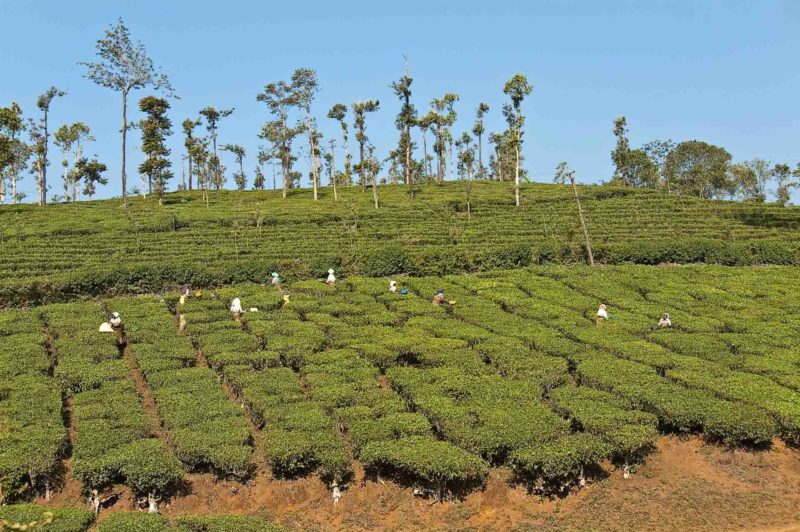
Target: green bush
49,519
438,465
133,522
386,260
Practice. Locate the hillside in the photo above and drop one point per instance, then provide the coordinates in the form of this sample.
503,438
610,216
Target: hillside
504,404
95,247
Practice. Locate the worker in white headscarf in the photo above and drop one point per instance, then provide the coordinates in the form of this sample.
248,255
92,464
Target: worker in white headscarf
665,322
116,325
276,279
602,314
393,286
236,309
331,277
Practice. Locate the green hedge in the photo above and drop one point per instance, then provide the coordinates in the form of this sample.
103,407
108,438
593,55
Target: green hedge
46,518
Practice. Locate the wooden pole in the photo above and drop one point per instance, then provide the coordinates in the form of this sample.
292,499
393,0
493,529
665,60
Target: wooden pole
571,175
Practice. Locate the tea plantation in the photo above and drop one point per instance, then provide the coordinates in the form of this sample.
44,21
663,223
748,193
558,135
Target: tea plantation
57,253
515,374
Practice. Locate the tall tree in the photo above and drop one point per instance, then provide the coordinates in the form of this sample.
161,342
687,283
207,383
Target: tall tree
657,151
188,142
70,139
406,119
621,151
212,117
155,127
124,66
360,109
238,152
695,167
443,117
371,166
517,88
40,135
305,86
750,179
280,98
560,176
339,112
258,180
424,123
91,173
478,130
466,165
14,153
784,181
334,177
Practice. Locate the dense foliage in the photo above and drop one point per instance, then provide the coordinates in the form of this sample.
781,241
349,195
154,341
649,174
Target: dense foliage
516,372
66,251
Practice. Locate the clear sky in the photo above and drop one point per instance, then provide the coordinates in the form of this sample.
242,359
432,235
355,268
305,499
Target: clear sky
723,72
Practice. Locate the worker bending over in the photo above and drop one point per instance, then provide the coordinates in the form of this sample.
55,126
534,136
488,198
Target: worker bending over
602,314
236,309
439,298
331,280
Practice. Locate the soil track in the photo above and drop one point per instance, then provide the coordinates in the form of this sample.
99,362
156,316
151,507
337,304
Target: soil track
684,485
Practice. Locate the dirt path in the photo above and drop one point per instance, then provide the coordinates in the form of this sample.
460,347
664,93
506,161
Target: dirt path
146,395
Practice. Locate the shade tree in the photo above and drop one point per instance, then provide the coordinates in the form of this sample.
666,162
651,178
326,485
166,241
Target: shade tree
360,109
517,88
155,128
123,66
70,139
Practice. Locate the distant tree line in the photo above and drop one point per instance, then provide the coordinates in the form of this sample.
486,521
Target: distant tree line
291,134
699,169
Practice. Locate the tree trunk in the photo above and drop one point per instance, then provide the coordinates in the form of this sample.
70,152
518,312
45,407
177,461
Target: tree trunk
152,503
95,501
481,172
39,181
347,161
375,189
516,174
440,160
361,167
583,221
425,153
76,185
409,184
450,156
14,187
190,172
124,140
313,153
66,183
469,193
44,162
333,172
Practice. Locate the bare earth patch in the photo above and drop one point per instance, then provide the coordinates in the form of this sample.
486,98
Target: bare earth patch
684,485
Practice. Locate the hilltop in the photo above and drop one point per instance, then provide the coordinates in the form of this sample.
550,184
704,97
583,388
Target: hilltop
96,247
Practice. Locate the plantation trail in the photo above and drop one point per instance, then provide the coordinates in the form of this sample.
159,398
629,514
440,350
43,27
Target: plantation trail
684,485
68,486
148,401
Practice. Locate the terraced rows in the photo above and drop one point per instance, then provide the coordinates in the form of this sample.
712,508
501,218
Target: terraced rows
245,235
515,373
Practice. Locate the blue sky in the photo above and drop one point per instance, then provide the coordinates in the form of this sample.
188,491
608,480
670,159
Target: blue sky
722,72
